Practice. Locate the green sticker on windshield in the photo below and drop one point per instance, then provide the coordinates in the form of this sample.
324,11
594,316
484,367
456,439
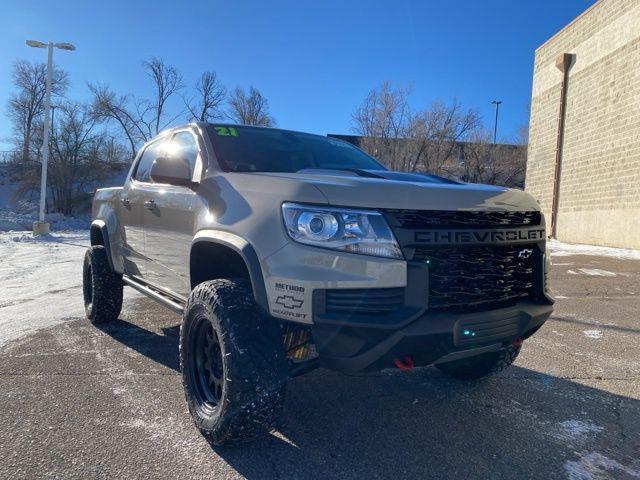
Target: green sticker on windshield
226,131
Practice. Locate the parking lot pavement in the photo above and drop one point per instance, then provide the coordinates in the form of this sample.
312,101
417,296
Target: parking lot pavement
82,402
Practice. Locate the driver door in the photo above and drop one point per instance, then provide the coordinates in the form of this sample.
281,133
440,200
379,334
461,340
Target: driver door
169,220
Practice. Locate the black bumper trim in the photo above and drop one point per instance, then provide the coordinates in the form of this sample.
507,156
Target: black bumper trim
352,347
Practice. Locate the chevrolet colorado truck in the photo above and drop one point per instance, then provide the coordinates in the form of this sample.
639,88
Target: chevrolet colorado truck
284,251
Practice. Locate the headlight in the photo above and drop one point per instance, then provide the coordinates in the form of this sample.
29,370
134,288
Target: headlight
356,231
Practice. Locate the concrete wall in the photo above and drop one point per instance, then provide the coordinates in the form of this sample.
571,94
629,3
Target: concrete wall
599,201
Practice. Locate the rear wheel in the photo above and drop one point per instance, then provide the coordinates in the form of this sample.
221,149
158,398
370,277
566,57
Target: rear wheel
484,365
101,287
232,359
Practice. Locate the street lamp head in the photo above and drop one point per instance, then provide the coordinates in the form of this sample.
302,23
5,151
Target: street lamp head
36,44
497,102
65,46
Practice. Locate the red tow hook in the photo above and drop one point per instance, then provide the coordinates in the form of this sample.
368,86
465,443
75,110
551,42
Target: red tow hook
405,364
517,342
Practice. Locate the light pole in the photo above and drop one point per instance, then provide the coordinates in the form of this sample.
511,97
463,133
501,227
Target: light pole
41,227
53,117
495,125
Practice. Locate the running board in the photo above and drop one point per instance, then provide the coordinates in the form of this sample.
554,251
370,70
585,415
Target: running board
154,294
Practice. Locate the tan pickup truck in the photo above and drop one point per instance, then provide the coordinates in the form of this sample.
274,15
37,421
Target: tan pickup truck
285,251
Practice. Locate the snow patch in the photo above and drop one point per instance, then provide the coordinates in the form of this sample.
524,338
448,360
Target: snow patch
593,334
594,272
41,281
22,221
576,430
595,466
560,249
597,272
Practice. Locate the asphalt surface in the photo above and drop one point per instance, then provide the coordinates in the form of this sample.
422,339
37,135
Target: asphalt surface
81,402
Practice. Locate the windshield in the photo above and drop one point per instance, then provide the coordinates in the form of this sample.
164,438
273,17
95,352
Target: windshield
252,149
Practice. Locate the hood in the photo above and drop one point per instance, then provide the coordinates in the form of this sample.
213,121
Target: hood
399,190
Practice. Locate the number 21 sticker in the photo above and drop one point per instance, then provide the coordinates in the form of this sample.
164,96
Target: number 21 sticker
226,131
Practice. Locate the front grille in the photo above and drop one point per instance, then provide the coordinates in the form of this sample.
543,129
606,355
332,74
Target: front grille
478,276
364,301
425,219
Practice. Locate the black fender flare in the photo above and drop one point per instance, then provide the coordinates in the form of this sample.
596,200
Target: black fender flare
101,226
246,252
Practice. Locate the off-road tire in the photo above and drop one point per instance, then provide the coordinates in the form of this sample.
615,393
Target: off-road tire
249,392
484,365
102,287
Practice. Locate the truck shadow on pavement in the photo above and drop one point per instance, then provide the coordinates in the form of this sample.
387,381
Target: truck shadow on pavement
162,349
519,424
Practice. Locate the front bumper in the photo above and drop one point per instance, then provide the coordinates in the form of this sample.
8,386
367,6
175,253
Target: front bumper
364,312
429,338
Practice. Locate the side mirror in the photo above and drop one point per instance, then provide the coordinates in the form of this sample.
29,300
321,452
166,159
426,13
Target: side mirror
171,170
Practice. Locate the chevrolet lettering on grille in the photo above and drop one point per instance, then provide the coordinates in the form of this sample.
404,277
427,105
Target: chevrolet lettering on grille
447,237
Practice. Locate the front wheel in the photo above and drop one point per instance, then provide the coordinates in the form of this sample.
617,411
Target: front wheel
480,366
101,287
233,365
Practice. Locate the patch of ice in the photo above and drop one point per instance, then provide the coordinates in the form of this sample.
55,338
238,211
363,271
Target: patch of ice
560,249
595,466
593,333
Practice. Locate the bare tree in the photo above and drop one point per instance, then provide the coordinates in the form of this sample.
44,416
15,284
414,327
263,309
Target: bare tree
484,162
383,120
167,81
108,106
26,104
438,131
139,119
81,155
210,94
411,141
250,108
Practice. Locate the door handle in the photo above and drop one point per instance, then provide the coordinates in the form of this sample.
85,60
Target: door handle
150,205
126,202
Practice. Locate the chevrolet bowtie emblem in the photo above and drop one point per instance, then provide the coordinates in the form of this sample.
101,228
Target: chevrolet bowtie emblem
287,301
526,253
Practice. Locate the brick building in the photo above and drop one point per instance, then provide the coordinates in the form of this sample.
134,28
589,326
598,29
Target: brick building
584,138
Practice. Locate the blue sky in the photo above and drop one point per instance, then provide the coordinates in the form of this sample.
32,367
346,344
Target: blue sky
314,60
